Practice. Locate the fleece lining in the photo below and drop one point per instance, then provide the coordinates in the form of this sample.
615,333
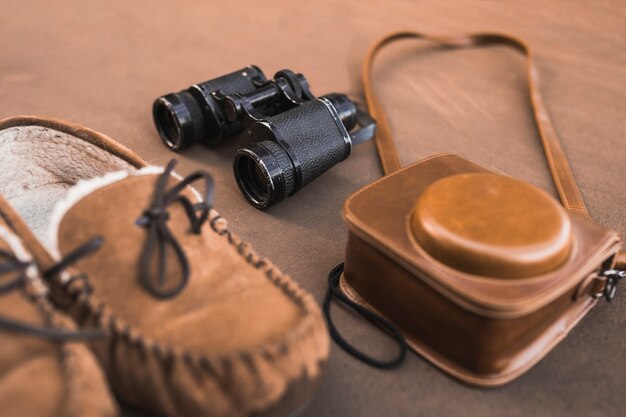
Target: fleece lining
40,164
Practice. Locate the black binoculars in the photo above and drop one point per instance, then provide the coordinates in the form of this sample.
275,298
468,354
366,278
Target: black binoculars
295,136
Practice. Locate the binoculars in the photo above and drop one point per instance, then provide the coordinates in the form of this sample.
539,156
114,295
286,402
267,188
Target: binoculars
294,136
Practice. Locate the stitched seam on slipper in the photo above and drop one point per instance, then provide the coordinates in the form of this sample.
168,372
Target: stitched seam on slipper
305,327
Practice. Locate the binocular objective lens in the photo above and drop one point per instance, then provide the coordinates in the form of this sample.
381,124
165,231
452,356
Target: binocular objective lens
179,121
264,173
254,178
167,124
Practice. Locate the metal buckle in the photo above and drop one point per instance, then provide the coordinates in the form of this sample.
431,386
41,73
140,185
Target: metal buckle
613,276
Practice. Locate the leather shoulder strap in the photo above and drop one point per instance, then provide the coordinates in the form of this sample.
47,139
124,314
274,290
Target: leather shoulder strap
557,161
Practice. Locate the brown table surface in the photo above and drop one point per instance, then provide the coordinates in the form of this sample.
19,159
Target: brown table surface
102,63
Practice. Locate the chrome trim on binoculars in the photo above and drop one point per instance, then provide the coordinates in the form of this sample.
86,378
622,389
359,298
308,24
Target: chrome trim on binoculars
340,125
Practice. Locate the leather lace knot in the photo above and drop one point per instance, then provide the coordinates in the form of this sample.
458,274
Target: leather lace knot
155,219
156,213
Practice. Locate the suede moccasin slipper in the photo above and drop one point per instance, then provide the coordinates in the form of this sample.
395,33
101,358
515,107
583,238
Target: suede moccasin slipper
196,322
43,371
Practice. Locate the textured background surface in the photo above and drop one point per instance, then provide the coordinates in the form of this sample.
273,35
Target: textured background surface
101,65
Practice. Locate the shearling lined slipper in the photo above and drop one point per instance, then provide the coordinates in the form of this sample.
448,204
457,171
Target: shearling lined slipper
196,322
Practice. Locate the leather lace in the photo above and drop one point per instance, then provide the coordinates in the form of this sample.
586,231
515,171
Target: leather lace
10,264
160,237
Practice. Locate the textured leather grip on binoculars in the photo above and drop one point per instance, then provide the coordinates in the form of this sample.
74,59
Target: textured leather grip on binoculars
557,160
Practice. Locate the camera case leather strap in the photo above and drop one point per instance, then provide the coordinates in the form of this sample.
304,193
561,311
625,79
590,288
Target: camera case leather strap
555,156
480,273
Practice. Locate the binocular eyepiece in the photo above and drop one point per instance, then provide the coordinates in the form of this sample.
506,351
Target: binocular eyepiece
295,136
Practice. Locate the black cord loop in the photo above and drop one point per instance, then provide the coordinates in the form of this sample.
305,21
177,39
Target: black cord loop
155,218
335,291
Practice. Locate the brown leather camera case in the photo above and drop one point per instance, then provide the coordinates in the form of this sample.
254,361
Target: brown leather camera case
482,274
485,330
